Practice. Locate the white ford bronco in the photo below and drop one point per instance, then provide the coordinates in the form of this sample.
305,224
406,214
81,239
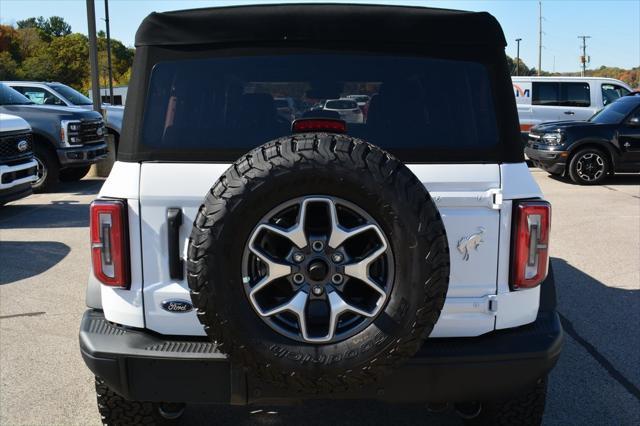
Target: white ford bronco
242,257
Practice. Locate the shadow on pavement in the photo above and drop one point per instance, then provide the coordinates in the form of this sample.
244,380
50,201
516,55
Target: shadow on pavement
25,259
82,187
321,412
57,214
618,179
596,379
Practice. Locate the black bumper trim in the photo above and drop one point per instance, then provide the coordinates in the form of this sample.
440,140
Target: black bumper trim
83,155
550,161
141,365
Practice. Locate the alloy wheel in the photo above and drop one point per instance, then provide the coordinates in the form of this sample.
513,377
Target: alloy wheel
317,269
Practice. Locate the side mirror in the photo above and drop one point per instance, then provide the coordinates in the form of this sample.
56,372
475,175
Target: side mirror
634,121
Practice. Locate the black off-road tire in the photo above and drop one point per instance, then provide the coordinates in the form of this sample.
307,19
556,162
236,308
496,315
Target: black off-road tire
526,409
117,411
573,164
73,174
330,165
47,158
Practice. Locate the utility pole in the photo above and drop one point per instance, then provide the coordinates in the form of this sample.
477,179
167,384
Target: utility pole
518,40
539,37
584,58
93,56
106,20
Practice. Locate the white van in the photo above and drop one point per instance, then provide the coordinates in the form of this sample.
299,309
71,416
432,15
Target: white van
544,99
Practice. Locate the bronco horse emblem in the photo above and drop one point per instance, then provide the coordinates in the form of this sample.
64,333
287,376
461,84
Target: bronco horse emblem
465,244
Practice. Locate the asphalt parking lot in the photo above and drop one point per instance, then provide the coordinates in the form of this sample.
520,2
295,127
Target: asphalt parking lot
44,261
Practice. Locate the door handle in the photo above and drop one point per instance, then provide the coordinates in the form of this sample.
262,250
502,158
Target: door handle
569,112
174,222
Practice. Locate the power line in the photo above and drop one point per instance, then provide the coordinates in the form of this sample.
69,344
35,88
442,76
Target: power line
584,58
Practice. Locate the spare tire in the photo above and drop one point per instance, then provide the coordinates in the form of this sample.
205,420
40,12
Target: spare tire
318,261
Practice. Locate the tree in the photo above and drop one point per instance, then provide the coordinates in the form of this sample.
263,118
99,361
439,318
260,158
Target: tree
48,29
56,27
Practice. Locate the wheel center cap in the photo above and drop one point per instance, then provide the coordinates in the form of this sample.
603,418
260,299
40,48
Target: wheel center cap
318,270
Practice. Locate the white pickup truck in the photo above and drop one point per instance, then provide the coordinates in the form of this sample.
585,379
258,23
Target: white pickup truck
17,166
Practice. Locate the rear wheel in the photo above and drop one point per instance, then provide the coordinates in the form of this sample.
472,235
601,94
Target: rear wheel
73,174
47,170
589,166
117,411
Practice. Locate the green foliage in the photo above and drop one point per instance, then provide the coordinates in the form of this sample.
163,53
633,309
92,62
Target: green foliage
47,28
46,49
523,69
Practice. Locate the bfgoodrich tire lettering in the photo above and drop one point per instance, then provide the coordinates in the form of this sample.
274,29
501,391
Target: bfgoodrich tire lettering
323,165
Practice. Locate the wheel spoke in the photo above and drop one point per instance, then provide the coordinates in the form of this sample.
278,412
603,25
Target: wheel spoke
295,234
295,305
275,270
360,270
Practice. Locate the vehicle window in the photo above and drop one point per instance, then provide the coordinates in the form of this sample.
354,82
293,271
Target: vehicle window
340,104
39,96
561,94
71,94
545,93
611,92
613,113
9,96
228,103
575,94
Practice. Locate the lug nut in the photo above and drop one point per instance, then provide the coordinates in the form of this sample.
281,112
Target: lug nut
316,290
298,257
337,279
317,246
298,278
337,257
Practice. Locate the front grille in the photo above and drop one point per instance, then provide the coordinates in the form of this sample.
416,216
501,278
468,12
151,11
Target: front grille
9,147
89,130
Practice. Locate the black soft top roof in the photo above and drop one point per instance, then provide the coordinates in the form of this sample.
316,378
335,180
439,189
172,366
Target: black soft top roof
320,22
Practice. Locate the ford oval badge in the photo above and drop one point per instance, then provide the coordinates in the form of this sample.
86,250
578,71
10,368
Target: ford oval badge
179,306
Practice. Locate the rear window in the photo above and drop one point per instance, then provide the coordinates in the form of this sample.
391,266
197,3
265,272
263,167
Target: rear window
341,104
228,104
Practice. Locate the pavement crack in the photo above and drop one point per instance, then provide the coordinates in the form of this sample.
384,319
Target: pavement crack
601,359
617,190
28,314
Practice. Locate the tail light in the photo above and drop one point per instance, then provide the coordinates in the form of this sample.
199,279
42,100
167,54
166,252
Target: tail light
109,242
530,262
303,125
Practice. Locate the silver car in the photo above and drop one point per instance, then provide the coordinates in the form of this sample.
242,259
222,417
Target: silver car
347,108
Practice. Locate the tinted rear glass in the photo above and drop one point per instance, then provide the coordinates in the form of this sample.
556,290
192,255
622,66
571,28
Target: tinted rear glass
228,103
561,94
341,104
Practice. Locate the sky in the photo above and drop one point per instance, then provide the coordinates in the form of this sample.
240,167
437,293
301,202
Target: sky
614,25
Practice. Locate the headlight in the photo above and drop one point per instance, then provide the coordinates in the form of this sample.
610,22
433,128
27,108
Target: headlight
70,132
552,138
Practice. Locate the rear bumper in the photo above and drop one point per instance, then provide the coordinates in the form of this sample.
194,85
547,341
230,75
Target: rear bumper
142,365
83,155
550,161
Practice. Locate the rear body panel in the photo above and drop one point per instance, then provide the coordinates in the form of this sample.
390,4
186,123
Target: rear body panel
471,198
